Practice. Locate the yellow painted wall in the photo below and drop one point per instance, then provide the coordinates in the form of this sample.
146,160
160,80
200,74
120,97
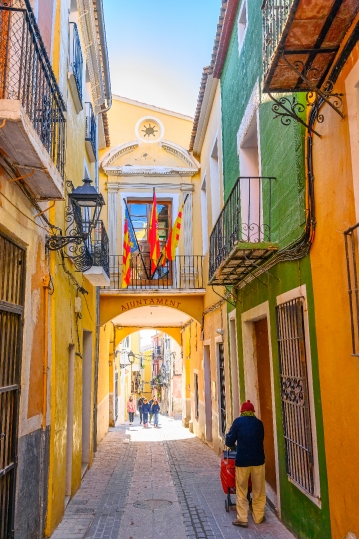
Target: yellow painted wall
339,370
67,328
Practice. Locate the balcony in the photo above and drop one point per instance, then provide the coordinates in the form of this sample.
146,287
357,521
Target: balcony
97,246
300,41
184,273
76,67
241,238
91,135
32,134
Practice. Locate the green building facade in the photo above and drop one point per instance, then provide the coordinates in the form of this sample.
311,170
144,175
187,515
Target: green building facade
275,324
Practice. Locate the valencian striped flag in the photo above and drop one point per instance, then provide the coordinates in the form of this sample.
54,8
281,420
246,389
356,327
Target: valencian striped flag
169,251
153,238
129,246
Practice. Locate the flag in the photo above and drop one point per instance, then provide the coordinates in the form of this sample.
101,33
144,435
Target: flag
126,257
131,233
169,251
153,238
129,246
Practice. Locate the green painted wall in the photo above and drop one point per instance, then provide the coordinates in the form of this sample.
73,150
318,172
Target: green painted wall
282,156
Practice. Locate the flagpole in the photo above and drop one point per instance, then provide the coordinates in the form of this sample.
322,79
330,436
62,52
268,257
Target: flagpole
138,247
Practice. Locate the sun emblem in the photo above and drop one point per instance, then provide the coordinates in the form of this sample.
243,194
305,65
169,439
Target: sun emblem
150,130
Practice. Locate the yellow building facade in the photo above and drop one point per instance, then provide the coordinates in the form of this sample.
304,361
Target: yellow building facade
149,151
44,158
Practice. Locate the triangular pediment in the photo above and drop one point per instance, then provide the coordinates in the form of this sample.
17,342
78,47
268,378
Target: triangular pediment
136,158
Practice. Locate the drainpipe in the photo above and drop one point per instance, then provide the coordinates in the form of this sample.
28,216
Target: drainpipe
46,288
97,354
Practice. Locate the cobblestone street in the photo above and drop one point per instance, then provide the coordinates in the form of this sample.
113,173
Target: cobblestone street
156,484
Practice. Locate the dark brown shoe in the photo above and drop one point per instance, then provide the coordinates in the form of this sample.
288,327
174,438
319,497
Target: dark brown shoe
240,523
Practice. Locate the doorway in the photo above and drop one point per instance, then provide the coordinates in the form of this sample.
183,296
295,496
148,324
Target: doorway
70,421
265,398
207,392
86,398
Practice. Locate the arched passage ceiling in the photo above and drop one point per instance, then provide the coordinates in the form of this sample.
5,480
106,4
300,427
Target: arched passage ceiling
154,317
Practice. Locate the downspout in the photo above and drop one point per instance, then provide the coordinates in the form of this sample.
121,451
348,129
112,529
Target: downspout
97,354
46,288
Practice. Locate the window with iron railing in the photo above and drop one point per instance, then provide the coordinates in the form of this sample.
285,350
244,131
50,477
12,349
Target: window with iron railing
91,132
245,218
295,393
26,75
76,58
275,16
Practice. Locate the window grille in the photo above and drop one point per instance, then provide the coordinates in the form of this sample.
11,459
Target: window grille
196,397
294,393
222,390
12,286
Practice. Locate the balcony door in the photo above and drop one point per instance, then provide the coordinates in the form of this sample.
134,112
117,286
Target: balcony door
140,214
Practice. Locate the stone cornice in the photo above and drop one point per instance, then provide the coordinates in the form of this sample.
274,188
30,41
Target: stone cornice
149,171
124,186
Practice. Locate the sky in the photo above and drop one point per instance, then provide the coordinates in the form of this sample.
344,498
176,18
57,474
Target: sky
158,49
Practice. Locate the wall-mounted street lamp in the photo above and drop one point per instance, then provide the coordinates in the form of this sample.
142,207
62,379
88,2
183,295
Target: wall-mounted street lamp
82,216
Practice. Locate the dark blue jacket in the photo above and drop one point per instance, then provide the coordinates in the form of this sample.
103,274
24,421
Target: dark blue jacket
248,433
155,409
146,408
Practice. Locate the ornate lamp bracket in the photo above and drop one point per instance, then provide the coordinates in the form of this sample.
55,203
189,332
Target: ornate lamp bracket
288,107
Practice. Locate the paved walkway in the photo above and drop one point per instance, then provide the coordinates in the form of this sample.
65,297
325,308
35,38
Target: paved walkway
156,484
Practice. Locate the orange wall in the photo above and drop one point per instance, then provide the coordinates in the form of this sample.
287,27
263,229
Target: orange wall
339,371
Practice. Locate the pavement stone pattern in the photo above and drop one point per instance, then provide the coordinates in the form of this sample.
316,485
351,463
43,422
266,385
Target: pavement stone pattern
156,484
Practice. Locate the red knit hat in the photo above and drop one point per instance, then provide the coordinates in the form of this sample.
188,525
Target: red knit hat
247,407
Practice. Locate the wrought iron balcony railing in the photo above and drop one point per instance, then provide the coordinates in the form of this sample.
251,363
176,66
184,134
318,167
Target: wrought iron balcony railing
76,58
184,273
26,75
91,134
245,219
99,247
275,16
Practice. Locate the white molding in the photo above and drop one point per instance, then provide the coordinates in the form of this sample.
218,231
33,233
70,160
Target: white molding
301,292
178,151
117,152
149,171
205,114
251,109
251,375
151,119
117,186
181,153
241,39
91,50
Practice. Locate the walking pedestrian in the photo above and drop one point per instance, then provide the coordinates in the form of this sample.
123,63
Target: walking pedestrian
145,411
139,406
151,414
131,408
247,433
155,411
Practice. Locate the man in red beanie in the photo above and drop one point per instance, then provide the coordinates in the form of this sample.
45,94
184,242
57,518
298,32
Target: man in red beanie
247,433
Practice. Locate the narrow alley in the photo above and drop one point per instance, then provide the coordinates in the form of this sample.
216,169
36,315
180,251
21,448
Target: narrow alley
156,484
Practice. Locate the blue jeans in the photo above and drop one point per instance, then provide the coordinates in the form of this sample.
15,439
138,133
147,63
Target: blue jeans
131,416
156,419
145,417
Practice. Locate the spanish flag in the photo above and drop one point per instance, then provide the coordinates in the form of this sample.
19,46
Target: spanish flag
126,257
169,251
153,238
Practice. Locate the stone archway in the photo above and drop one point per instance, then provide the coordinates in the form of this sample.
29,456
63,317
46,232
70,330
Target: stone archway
113,305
